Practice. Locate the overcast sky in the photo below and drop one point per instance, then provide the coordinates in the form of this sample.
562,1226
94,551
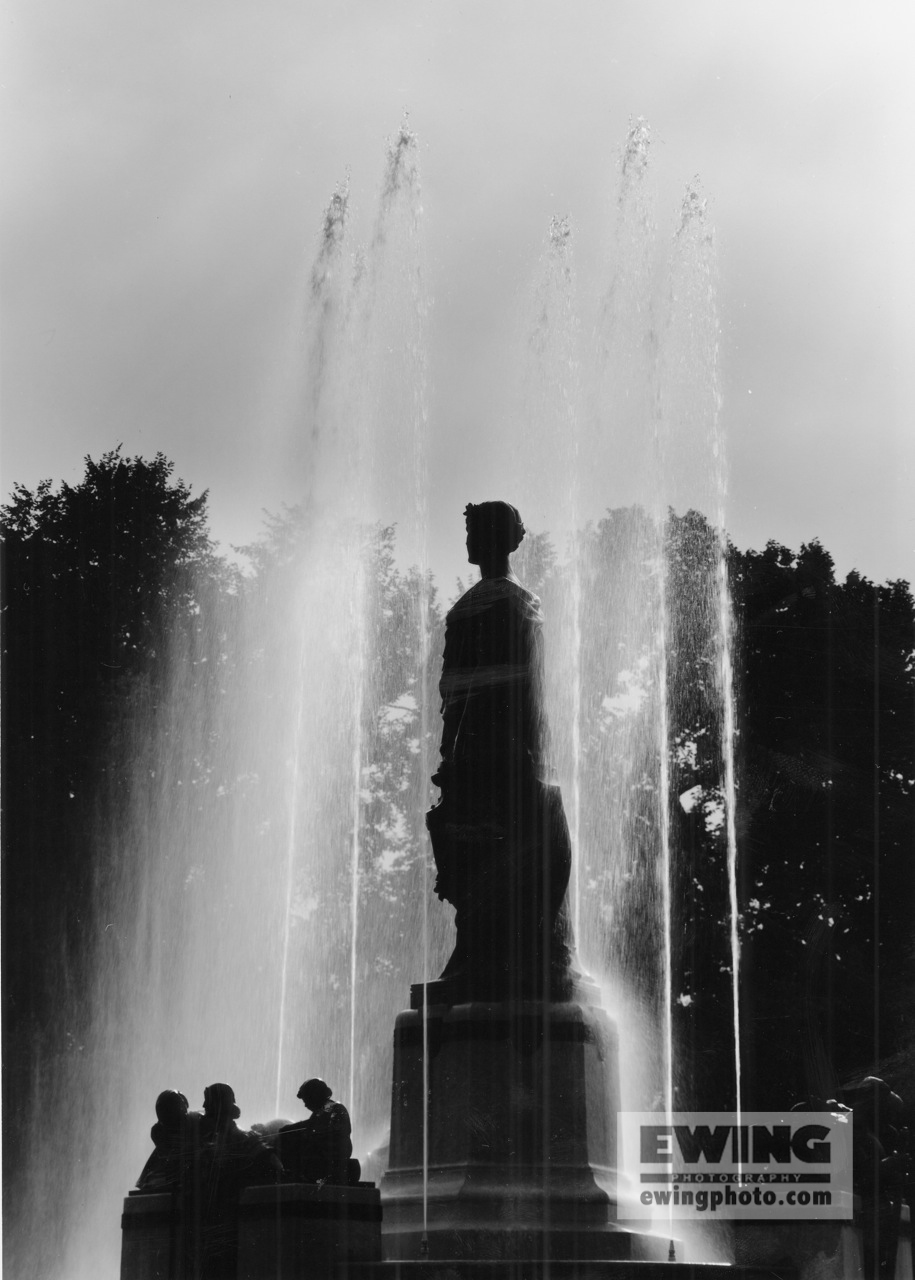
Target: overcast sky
167,166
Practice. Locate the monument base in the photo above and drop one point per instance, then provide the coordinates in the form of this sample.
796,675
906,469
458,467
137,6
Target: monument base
302,1230
519,1134
283,1230
149,1243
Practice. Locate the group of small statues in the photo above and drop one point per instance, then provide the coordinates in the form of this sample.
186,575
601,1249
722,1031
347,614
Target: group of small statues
317,1150
204,1161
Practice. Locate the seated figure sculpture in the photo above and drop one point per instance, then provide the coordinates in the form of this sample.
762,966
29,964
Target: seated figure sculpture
499,834
176,1137
231,1159
318,1149
236,1155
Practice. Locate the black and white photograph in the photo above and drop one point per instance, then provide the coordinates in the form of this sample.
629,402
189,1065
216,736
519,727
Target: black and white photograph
458,689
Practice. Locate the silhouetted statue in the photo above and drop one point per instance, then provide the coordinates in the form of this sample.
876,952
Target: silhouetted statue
231,1159
318,1149
236,1153
176,1135
499,833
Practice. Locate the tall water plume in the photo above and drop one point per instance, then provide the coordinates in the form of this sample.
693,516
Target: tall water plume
587,417
377,380
702,706
636,605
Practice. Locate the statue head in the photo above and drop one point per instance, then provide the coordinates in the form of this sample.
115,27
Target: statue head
171,1108
314,1093
494,530
219,1103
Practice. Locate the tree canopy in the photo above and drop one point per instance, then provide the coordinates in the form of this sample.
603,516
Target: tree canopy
826,816
97,577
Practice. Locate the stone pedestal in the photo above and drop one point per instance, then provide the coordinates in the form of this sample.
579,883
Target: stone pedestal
299,1230
291,1230
148,1239
522,1106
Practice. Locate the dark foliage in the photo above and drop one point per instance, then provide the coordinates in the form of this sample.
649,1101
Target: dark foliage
97,578
826,818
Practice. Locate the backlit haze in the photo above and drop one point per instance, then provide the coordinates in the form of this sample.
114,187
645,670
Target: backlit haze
167,168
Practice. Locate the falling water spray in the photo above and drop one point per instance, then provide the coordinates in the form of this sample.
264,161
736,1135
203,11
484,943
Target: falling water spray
694,303
695,224
324,320
291,846
359,674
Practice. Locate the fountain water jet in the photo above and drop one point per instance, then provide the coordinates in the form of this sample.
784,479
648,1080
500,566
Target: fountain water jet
692,409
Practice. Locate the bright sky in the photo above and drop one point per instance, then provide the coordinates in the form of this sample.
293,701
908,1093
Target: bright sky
167,166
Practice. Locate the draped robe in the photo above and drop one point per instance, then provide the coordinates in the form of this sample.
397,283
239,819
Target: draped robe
499,834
